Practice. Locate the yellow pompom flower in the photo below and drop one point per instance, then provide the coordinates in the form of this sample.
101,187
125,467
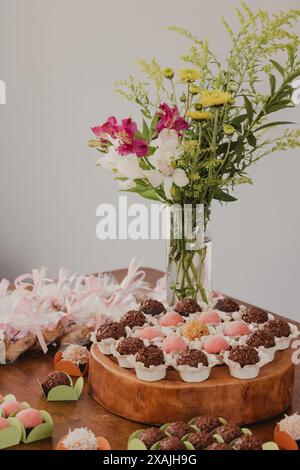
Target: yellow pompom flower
199,115
215,98
228,129
168,73
189,75
195,90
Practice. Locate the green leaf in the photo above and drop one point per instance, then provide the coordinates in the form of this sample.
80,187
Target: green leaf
239,119
278,67
272,124
249,108
239,149
223,196
272,84
251,140
146,131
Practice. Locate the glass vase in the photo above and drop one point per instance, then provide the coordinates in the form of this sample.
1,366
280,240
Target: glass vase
189,253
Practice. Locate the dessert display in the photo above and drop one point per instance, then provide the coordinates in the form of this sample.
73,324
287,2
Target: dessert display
58,386
73,359
200,433
193,339
82,439
287,432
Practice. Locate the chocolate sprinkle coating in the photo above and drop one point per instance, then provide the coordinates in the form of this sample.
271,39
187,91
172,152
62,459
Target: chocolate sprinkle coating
207,423
192,357
200,440
219,446
227,305
278,328
171,443
229,432
151,435
130,346
150,356
110,329
152,307
133,318
255,315
54,379
178,429
244,355
187,306
248,442
260,338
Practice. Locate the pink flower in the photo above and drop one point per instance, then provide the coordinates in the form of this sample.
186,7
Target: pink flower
109,128
170,119
128,143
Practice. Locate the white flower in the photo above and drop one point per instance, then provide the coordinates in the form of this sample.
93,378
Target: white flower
163,161
122,166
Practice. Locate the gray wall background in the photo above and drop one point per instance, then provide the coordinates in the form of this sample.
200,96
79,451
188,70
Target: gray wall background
59,60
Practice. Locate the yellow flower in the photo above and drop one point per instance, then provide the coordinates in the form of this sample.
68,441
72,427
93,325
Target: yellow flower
215,98
94,143
189,75
228,129
199,115
195,90
168,73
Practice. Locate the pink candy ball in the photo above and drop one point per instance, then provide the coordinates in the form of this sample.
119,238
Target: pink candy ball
30,418
236,328
150,332
211,317
171,319
9,407
215,345
174,344
3,423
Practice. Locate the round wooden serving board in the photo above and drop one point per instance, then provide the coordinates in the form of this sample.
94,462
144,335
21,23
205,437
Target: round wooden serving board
242,401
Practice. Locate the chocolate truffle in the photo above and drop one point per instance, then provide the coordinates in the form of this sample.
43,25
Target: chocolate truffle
244,355
110,329
150,356
248,442
207,423
192,357
187,306
255,315
219,446
130,346
152,307
227,305
278,328
260,338
171,443
54,379
178,429
194,329
133,318
77,354
151,435
229,432
200,440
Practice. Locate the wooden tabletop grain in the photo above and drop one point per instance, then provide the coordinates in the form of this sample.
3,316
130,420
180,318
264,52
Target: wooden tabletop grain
21,377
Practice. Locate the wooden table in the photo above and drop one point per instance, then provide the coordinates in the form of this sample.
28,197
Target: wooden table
21,380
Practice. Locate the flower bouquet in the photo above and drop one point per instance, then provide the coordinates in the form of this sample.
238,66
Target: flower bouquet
201,129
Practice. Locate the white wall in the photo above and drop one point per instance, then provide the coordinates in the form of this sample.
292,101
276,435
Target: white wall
59,60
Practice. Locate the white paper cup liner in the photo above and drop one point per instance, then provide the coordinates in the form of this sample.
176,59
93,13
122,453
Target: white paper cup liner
150,374
193,374
248,371
105,346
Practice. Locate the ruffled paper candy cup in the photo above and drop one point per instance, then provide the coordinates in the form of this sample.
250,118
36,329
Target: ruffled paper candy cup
284,440
103,444
12,435
249,371
69,367
194,374
65,392
42,431
150,374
